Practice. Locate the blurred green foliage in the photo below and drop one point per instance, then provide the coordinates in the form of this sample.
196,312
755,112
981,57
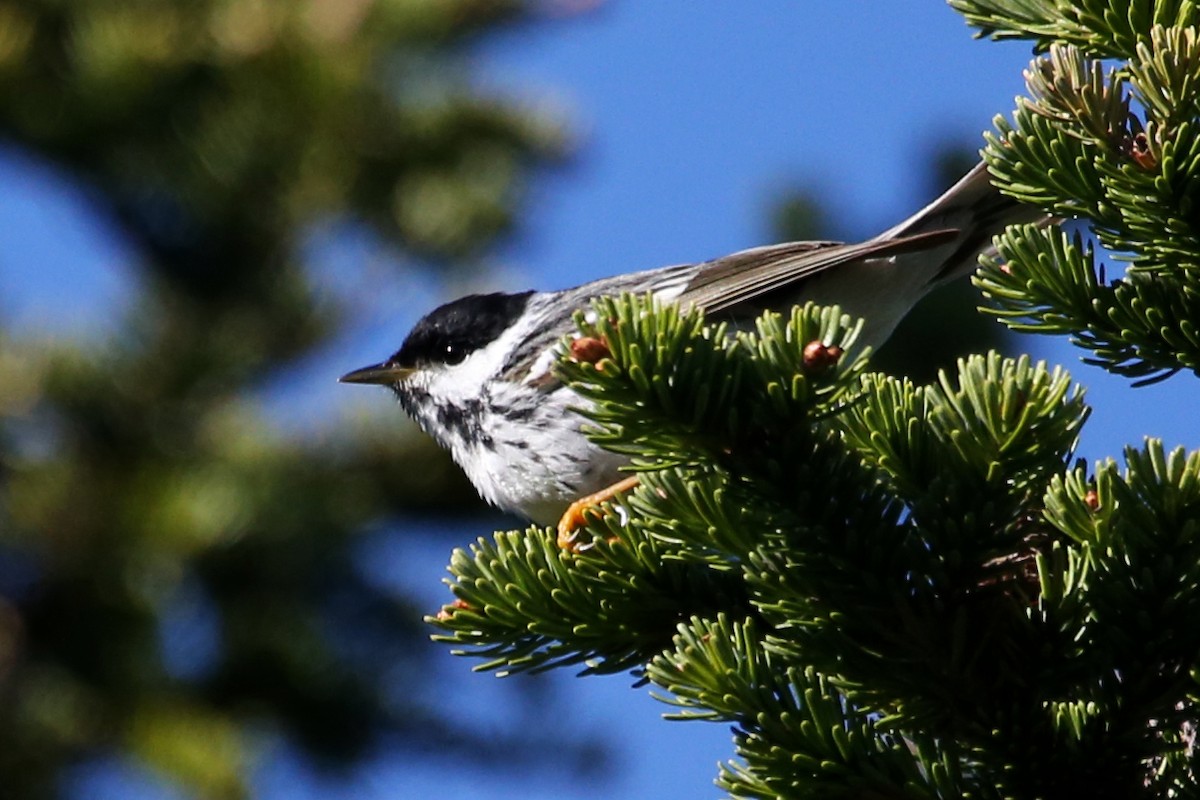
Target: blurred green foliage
177,580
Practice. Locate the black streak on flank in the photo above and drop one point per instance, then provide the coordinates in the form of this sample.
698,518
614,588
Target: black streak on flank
452,332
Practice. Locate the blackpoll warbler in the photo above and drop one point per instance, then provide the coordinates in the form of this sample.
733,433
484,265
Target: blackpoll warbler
475,373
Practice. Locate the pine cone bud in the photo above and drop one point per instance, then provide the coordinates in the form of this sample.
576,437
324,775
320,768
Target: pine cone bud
589,349
1140,152
819,356
448,610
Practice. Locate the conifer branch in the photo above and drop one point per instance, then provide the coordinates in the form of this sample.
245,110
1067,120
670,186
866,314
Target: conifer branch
1075,147
903,590
1101,28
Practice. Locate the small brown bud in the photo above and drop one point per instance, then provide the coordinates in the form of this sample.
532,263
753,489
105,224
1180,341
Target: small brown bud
1005,268
448,610
1091,499
819,357
1140,152
589,349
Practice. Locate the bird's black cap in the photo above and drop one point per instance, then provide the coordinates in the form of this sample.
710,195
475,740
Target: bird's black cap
452,332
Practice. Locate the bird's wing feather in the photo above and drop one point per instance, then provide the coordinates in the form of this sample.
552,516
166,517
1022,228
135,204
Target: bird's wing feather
726,282
715,286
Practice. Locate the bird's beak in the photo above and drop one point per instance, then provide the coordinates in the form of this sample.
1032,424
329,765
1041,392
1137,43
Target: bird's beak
385,374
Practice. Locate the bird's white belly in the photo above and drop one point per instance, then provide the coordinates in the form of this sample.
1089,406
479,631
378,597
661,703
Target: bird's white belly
538,467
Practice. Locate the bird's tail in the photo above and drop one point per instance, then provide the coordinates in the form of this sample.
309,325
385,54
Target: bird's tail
977,210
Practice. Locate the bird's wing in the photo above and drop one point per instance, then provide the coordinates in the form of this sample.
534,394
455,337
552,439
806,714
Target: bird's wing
729,281
715,286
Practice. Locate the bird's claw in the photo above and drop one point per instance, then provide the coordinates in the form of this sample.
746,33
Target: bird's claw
575,517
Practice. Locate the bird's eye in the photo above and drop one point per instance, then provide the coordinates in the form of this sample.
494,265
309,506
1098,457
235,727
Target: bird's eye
453,354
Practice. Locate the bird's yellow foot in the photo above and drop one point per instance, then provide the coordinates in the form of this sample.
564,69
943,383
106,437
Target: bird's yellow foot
575,516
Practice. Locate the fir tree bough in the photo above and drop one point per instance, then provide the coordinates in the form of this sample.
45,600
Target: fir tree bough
1120,147
902,590
886,588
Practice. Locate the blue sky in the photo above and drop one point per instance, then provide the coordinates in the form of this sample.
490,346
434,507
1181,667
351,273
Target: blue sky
689,118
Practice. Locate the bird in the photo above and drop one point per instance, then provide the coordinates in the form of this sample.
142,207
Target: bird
476,373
